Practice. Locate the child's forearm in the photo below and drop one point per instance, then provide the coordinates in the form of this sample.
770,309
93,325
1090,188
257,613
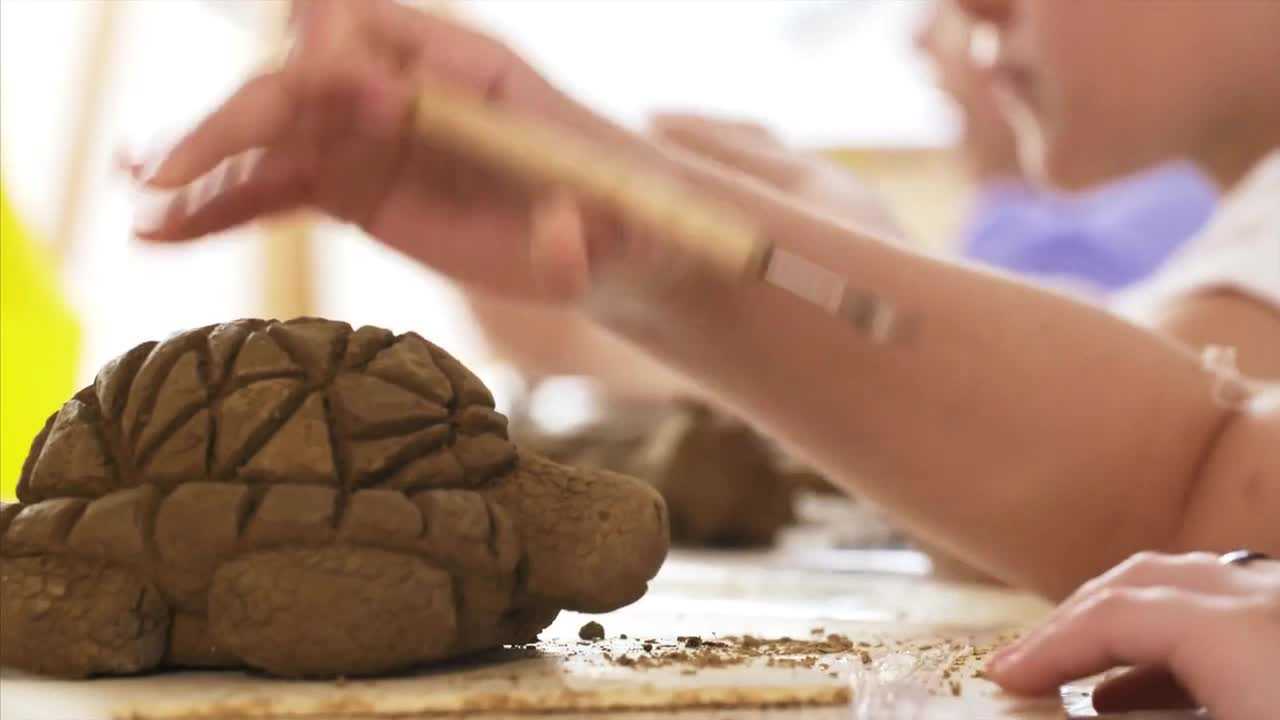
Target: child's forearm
1016,427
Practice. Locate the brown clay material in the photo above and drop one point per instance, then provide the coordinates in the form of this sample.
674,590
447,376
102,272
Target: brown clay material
723,483
591,631
302,499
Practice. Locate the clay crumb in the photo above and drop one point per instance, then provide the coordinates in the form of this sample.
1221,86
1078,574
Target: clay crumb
591,631
955,688
692,641
648,647
817,630
623,636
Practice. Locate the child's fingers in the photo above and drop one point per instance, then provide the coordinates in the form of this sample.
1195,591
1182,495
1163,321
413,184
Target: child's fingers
558,247
242,188
1110,628
1219,648
330,60
257,115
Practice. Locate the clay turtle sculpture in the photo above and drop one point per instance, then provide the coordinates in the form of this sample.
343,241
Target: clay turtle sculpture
303,499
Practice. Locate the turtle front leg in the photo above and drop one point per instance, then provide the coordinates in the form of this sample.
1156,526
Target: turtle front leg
74,617
593,538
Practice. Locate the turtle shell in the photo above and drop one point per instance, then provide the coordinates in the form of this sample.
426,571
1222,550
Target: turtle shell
306,499
308,402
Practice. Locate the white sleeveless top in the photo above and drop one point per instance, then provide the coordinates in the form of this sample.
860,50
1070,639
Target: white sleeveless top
1239,250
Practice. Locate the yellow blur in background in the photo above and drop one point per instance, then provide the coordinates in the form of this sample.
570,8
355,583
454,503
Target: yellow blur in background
39,343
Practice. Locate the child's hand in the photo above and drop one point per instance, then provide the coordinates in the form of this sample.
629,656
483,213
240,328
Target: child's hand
331,130
1200,632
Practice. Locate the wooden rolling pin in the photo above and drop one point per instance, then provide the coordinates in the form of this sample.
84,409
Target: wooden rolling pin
726,242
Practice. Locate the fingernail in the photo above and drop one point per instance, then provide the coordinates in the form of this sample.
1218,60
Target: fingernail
246,163
144,162
152,208
201,192
1005,658
150,167
124,161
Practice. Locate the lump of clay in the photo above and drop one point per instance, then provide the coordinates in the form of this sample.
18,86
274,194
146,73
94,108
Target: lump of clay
306,500
724,484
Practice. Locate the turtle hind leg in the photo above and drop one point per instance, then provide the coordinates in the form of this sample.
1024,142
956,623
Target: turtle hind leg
73,617
336,610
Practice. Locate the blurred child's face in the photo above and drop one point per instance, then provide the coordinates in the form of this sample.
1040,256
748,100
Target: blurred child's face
1099,88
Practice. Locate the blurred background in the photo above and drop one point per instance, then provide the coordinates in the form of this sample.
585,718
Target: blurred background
81,78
